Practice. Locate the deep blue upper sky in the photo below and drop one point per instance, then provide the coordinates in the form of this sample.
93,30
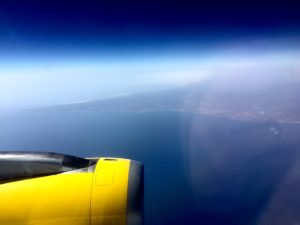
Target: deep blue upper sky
122,26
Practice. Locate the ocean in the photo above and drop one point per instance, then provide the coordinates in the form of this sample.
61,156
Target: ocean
199,169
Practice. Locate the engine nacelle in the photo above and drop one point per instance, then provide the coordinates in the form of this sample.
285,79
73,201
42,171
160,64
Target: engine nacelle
109,191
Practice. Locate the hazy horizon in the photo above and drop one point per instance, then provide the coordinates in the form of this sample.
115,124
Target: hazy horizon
45,83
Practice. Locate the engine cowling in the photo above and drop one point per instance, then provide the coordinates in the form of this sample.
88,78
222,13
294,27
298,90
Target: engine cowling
109,191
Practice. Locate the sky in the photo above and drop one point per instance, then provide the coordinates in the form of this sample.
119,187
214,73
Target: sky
61,52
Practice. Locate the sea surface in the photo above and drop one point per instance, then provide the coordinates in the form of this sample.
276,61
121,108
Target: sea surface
198,169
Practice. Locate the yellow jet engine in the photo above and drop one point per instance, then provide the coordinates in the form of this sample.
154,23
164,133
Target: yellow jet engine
38,188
